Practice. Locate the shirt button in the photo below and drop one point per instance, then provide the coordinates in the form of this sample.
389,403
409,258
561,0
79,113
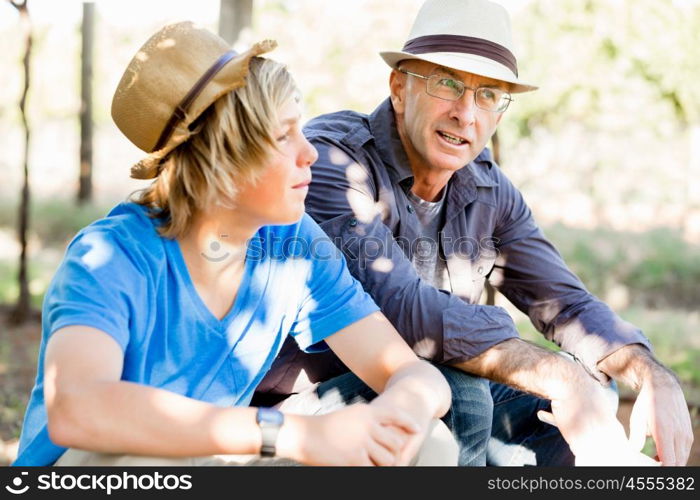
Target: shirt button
353,222
409,208
480,270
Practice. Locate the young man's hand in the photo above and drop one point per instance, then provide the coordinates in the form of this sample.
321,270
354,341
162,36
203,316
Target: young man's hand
359,434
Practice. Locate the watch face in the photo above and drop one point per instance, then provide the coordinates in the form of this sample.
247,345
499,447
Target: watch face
270,416
269,420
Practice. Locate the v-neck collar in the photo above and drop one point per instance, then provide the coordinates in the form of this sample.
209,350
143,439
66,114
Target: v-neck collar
244,289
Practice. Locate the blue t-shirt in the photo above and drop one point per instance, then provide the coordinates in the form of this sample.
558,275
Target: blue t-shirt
121,277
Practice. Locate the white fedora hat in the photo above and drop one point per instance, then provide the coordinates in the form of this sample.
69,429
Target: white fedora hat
466,35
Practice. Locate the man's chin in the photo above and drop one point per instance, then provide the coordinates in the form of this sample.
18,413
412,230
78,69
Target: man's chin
449,161
452,164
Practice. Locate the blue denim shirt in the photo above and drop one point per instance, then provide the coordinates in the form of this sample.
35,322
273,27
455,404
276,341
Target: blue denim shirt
358,196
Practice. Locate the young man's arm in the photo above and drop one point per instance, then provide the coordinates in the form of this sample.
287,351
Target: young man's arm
376,353
89,407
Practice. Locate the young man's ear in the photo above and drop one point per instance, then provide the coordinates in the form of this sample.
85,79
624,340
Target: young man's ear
397,86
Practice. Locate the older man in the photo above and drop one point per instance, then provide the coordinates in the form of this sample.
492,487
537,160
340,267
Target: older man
424,216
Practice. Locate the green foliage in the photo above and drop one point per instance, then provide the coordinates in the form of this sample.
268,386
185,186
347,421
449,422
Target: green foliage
617,102
669,272
673,334
54,221
8,281
592,56
57,221
657,268
599,257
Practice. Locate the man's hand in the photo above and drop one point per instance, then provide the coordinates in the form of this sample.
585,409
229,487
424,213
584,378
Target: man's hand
359,434
660,409
661,412
587,421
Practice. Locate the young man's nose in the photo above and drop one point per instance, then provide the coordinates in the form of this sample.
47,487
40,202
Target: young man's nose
308,155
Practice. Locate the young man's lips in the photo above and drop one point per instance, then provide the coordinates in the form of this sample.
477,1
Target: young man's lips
301,185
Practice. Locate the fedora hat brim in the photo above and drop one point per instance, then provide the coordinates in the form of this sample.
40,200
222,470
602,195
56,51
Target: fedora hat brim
469,63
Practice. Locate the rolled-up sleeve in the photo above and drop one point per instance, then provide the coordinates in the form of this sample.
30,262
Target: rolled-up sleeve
531,273
438,325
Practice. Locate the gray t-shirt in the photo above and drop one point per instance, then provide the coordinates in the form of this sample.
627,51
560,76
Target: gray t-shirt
427,258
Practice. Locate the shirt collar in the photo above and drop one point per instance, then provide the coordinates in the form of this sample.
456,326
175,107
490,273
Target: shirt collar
382,125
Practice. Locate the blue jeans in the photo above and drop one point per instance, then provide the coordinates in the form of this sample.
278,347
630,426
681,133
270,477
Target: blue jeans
492,423
495,424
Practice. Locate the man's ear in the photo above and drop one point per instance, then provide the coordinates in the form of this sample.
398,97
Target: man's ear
397,86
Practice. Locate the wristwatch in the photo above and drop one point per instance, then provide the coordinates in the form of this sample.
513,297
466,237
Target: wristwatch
269,420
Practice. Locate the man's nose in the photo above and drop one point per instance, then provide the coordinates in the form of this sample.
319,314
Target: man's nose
464,109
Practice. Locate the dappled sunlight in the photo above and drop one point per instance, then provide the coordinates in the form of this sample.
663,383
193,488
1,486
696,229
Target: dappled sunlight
133,80
9,246
165,44
619,153
338,157
8,450
425,345
501,448
364,208
99,253
463,287
382,265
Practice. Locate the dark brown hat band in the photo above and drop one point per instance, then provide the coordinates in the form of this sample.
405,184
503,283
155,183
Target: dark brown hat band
180,111
463,44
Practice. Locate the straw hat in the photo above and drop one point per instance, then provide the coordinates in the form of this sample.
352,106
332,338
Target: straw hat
177,74
466,35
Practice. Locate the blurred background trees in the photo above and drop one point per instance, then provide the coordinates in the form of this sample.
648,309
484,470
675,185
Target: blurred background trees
606,152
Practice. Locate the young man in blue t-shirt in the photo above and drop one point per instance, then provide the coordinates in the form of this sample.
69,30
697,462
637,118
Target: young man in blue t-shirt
164,316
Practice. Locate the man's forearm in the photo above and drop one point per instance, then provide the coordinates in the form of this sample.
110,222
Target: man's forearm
529,368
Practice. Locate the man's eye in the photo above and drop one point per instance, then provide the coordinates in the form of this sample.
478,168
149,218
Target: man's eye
489,95
283,138
450,83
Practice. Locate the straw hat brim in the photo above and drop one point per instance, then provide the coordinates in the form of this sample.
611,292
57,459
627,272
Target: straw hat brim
469,63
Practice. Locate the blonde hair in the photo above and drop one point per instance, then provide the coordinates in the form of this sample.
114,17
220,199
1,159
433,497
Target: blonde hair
229,144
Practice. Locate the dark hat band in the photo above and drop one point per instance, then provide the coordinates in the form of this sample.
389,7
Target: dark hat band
464,44
180,111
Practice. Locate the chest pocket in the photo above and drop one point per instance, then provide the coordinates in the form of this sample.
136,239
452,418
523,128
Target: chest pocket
480,270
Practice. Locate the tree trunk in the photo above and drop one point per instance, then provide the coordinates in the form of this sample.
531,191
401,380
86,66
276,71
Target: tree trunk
88,30
234,17
22,308
496,145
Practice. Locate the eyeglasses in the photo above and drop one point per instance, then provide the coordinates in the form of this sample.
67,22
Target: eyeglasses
443,87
